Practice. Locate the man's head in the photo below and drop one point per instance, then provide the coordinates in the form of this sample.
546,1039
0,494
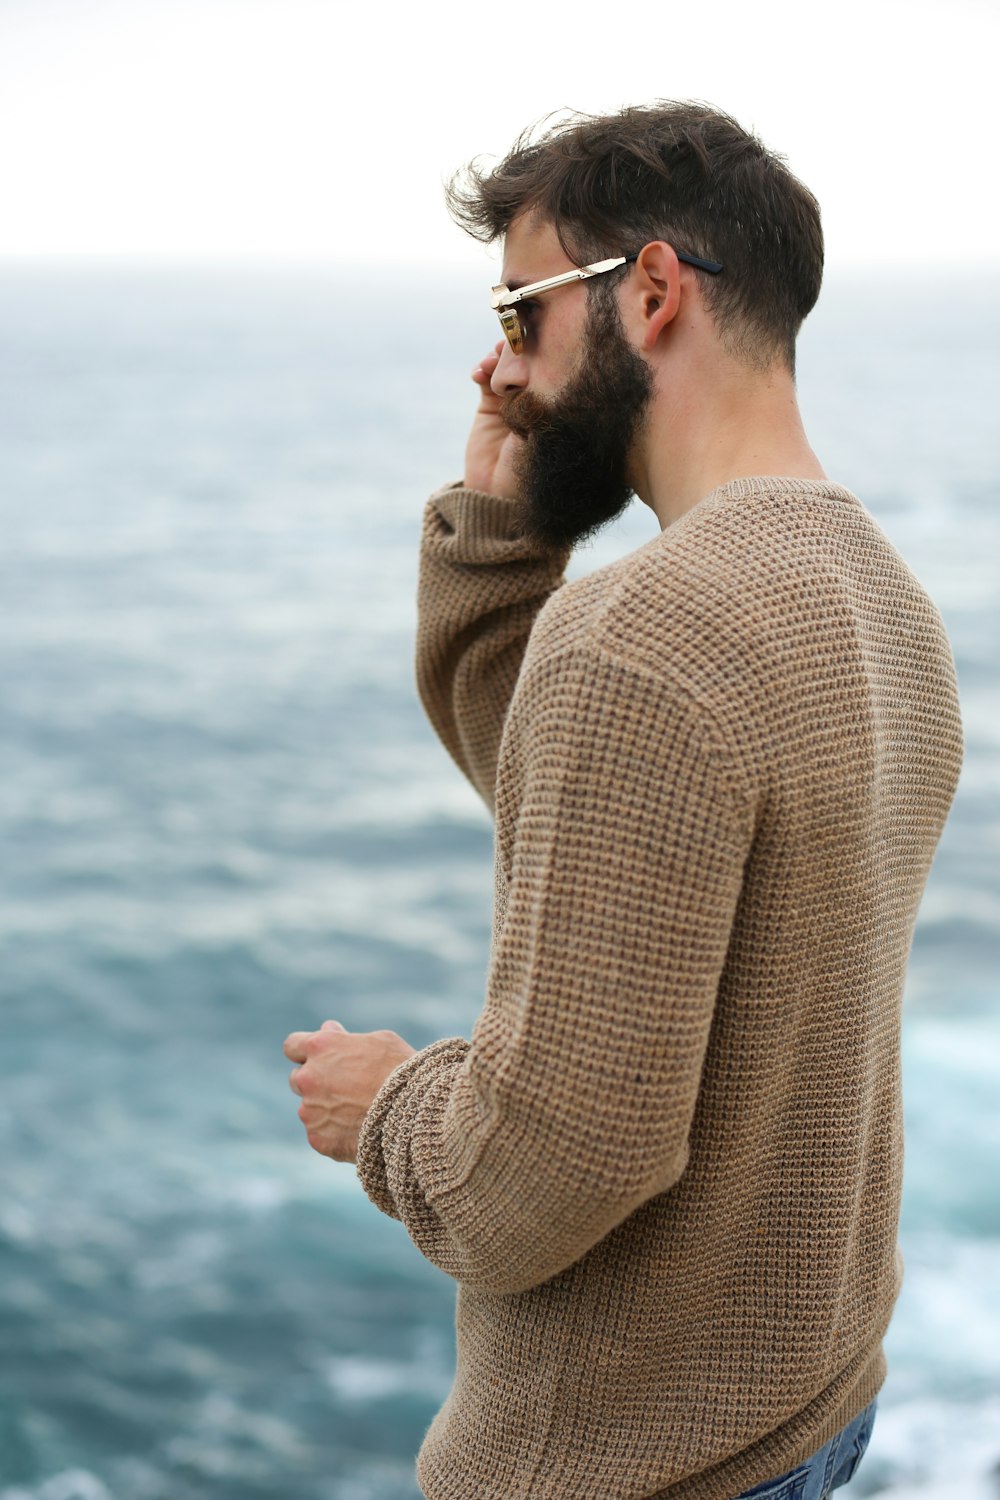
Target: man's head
680,172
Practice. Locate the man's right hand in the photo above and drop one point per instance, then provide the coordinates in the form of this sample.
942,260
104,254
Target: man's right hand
491,449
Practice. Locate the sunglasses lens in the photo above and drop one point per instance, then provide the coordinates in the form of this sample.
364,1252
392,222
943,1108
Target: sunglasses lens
511,325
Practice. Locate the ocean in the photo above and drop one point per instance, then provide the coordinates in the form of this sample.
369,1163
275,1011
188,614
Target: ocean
224,817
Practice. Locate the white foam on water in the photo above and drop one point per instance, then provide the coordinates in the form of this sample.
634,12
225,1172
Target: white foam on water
945,1335
928,1449
360,1380
963,1485
428,1371
72,1484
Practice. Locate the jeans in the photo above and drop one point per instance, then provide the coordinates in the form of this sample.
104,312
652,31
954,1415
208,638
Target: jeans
827,1470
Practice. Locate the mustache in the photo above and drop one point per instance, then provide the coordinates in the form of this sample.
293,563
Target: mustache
524,413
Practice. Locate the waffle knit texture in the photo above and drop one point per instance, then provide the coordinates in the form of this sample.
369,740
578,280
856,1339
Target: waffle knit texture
665,1172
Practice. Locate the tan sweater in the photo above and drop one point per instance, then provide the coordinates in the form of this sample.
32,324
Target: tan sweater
665,1172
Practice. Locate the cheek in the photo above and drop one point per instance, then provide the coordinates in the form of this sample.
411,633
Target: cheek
561,349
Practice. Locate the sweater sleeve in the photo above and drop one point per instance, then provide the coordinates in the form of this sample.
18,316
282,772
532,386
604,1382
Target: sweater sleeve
509,1157
481,586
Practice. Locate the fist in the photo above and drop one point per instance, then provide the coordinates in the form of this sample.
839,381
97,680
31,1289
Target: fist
339,1075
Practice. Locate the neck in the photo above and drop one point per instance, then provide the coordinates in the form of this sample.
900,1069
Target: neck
733,425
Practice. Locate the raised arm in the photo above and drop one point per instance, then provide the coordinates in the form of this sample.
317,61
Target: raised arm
481,586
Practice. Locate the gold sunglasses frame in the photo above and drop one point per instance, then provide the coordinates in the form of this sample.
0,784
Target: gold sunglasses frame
503,301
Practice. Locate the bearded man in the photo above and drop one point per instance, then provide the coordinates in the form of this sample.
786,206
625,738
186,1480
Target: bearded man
665,1170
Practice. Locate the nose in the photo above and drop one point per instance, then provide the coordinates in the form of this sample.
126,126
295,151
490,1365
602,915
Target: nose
511,373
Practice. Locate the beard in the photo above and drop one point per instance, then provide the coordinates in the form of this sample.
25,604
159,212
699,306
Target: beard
572,468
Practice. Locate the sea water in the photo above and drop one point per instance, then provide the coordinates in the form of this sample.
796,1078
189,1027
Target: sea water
223,817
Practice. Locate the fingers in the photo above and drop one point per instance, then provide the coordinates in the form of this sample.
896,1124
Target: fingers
296,1045
293,1081
483,372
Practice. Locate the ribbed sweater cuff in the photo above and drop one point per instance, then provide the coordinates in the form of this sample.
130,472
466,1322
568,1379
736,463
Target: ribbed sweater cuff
384,1139
472,526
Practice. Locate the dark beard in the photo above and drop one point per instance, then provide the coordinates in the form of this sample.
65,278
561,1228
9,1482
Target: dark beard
571,471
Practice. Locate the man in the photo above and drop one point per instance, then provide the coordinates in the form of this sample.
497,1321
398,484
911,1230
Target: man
665,1171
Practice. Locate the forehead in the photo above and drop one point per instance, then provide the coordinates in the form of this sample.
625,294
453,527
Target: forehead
531,251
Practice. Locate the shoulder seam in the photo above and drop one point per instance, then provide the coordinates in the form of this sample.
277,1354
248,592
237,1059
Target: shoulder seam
730,764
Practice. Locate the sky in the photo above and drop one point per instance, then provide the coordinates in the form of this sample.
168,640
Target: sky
323,130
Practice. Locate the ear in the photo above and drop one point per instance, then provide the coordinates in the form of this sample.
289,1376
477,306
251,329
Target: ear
656,282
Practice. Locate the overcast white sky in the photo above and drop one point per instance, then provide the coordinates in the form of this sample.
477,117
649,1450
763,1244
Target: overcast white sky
323,129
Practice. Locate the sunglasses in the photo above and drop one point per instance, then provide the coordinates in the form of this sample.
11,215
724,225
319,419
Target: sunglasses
503,300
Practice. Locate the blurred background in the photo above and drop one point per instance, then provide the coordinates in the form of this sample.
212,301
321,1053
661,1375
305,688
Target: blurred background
236,327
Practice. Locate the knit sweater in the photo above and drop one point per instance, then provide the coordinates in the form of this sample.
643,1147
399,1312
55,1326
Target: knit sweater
665,1171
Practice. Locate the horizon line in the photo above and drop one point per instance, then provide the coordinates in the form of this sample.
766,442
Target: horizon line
319,261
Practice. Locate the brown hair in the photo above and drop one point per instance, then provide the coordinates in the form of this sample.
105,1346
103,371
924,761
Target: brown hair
676,171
